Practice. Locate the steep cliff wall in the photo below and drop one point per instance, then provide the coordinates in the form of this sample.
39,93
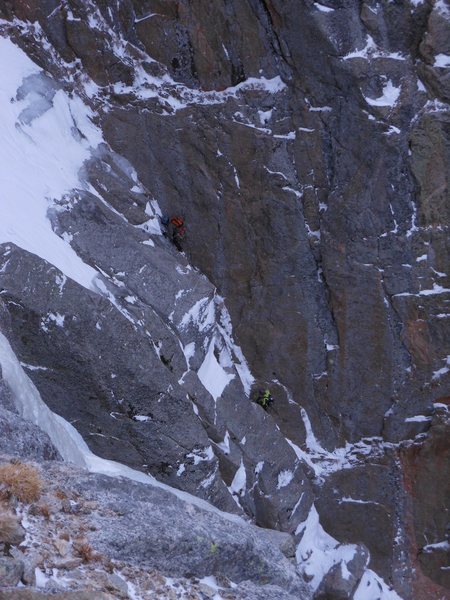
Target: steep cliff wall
307,146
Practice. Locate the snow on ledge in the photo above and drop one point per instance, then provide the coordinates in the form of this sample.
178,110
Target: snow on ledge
179,97
371,50
418,419
389,96
273,86
323,8
364,52
238,485
284,478
436,289
443,370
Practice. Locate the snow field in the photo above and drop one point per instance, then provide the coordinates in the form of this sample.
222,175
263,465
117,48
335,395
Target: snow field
43,144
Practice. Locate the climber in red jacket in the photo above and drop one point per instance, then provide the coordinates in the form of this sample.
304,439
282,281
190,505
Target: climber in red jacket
176,232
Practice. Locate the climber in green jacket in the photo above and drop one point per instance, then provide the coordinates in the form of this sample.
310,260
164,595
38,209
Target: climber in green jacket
264,399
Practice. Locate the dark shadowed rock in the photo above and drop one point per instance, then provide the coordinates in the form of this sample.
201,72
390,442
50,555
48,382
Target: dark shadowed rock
425,466
6,398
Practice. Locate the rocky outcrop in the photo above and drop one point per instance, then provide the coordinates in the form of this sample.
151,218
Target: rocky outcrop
19,437
88,525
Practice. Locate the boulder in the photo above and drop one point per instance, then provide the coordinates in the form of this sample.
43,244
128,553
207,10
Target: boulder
11,531
20,438
11,571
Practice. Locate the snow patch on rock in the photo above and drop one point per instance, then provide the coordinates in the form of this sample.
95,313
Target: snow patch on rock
389,96
212,375
317,551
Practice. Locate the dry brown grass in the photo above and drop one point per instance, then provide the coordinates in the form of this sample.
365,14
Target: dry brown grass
86,552
61,494
20,480
43,510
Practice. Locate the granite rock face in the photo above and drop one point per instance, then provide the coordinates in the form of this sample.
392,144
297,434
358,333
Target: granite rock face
133,536
307,145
